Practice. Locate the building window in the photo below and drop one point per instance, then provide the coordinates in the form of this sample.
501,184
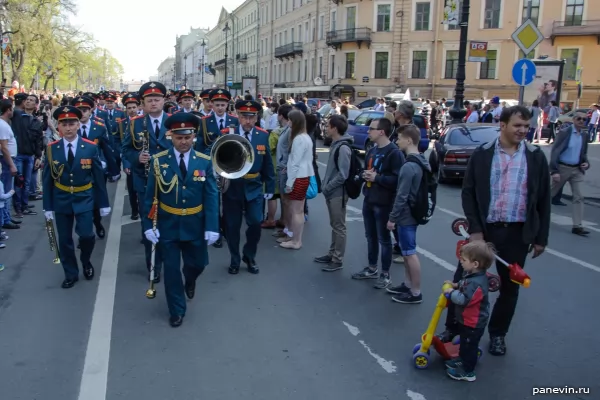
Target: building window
320,66
350,62
451,64
305,70
488,68
333,21
321,27
530,56
332,67
298,63
384,13
491,16
572,57
535,11
419,65
381,65
453,27
574,13
422,16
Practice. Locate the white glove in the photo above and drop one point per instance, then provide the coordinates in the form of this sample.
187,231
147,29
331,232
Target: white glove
49,215
152,235
268,196
211,237
103,164
104,211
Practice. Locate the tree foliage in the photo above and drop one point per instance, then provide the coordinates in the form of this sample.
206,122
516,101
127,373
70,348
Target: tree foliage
44,44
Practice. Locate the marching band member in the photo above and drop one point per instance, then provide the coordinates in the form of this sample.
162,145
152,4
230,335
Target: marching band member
245,195
182,197
131,102
96,132
206,104
114,114
186,99
145,137
212,125
73,181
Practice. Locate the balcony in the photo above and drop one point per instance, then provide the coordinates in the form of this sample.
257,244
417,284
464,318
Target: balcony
289,50
241,57
337,1
566,28
220,63
335,39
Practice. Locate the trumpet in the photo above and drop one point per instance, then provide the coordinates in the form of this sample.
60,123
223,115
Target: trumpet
52,240
232,157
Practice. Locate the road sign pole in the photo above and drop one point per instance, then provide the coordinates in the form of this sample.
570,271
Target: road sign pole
522,88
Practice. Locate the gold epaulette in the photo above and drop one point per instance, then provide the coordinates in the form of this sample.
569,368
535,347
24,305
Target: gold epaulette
162,153
202,155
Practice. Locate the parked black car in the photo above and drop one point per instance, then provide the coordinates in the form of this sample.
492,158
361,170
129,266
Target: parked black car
451,152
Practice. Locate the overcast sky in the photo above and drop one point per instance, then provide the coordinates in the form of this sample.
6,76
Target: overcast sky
141,34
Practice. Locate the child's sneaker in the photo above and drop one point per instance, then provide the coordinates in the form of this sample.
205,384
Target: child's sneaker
454,363
366,273
398,289
458,374
383,282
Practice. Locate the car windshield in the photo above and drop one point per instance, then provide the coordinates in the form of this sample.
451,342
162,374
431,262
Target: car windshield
475,135
353,113
324,110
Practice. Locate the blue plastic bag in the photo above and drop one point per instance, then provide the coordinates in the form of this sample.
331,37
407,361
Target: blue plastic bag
313,189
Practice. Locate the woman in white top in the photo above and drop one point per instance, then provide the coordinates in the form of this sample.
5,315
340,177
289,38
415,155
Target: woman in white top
474,116
273,122
535,128
299,171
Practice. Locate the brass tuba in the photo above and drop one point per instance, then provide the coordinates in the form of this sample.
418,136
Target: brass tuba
232,157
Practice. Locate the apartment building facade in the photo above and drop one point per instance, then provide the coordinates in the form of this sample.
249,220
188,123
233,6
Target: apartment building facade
166,72
571,29
237,36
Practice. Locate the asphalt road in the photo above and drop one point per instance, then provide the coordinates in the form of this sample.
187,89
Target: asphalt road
292,332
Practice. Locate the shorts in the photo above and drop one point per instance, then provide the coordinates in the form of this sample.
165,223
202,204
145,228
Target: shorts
300,188
407,235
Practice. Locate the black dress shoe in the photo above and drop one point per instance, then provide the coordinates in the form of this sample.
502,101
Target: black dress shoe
234,270
190,289
16,222
251,264
497,346
10,225
218,244
580,231
88,271
68,283
135,217
100,231
176,321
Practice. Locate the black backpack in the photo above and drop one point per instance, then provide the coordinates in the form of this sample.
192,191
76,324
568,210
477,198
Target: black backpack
353,184
424,206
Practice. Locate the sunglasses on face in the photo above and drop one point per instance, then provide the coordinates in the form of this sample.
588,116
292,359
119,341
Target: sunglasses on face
579,119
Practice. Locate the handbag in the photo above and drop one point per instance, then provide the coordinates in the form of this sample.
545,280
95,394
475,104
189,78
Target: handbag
313,189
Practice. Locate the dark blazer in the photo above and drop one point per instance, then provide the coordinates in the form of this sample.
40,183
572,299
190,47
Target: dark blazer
561,143
476,192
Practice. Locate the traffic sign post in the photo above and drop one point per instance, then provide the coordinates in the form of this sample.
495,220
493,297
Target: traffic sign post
527,37
523,72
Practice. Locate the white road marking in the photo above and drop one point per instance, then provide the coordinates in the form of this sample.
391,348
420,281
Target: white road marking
414,395
322,164
568,221
353,330
388,366
442,263
94,378
593,158
126,220
555,253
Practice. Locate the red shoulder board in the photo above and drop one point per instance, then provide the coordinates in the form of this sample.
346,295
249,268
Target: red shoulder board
232,115
88,141
137,117
206,116
260,129
56,141
99,123
168,115
225,130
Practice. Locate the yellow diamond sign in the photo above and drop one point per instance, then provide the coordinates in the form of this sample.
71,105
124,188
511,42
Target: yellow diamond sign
527,36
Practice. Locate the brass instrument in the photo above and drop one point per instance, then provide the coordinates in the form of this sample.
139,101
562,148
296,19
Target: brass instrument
232,157
52,240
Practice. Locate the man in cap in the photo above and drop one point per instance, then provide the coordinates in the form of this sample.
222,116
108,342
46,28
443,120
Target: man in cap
185,99
97,114
212,125
146,136
96,132
245,195
183,198
73,182
114,114
131,102
206,104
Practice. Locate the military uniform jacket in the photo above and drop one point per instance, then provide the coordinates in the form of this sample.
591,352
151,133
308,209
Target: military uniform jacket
118,115
186,207
132,145
122,127
209,131
99,136
261,175
77,189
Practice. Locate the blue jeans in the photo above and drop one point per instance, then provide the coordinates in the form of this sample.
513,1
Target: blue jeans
375,218
24,166
408,239
7,181
592,131
33,184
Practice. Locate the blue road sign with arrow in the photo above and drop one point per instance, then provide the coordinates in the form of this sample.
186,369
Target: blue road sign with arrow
523,72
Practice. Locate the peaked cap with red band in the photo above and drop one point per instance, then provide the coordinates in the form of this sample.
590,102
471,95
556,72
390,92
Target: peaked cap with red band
83,101
186,93
152,88
248,107
220,94
66,113
182,123
131,98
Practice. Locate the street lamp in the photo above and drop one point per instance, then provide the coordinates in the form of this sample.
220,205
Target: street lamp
203,44
458,112
185,71
226,29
